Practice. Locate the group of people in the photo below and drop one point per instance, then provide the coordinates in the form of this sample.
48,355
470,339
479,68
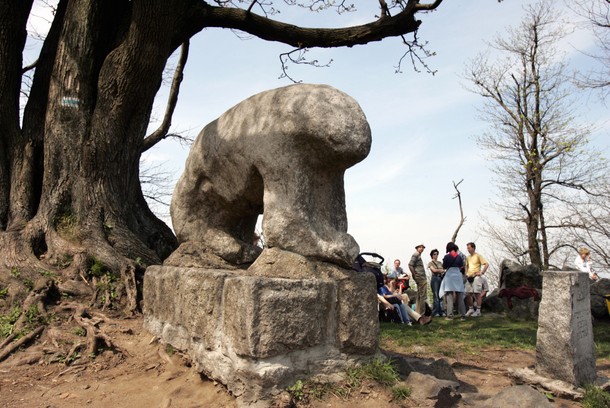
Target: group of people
457,280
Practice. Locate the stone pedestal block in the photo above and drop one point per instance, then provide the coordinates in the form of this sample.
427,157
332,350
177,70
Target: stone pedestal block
564,348
259,334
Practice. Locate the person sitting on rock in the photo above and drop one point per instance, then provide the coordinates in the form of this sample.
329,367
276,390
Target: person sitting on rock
407,314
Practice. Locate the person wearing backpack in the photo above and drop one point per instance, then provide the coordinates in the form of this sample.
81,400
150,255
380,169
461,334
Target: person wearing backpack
453,283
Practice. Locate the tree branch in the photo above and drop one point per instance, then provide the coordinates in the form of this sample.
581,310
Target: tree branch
458,195
161,132
204,15
29,67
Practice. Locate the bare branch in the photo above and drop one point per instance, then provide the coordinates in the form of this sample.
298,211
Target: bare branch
29,67
162,132
458,195
288,57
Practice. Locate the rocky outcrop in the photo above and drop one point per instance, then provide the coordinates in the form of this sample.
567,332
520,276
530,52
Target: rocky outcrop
283,151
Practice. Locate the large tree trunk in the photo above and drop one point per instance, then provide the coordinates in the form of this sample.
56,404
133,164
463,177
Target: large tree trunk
69,182
13,18
85,126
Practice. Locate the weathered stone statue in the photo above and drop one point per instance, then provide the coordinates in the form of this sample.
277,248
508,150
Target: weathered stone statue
297,311
284,151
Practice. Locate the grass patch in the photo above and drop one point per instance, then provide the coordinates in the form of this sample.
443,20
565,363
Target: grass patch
448,337
601,336
380,370
595,397
401,392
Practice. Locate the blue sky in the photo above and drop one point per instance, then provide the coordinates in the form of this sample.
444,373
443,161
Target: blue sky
423,125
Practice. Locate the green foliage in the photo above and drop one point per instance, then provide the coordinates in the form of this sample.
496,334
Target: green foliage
354,376
32,314
381,370
170,350
28,283
15,272
448,336
67,360
3,293
595,397
320,390
297,390
601,335
7,322
47,274
401,392
97,268
79,331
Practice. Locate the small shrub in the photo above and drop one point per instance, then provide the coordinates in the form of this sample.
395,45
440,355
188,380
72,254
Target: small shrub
170,350
97,268
297,391
15,272
595,397
3,293
7,322
401,392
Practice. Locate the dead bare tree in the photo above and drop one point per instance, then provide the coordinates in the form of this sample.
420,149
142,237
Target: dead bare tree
458,195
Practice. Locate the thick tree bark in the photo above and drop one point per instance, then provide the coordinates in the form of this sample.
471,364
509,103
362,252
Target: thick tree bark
13,18
69,177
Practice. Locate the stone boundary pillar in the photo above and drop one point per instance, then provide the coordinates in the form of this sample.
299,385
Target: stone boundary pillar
564,347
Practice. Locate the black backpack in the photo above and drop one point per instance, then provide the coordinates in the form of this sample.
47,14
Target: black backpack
362,265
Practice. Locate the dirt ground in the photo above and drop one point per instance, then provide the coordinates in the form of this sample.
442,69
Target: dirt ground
147,376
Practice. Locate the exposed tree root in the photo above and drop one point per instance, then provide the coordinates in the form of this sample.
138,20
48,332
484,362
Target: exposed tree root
46,262
9,348
96,339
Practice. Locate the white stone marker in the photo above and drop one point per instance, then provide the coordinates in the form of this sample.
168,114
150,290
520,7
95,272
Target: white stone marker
564,347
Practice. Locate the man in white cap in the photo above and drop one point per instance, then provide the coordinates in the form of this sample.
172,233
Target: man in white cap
416,266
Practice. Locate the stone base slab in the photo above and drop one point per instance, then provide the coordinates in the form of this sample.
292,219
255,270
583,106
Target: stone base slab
259,334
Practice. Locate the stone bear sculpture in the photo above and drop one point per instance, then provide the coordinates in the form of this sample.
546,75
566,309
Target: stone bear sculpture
282,153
